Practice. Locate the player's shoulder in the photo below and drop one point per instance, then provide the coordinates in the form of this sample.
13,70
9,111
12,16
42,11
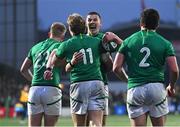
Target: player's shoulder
91,38
100,35
37,45
65,44
68,41
163,39
134,36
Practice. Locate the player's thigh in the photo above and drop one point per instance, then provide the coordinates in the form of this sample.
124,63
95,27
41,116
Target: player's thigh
52,101
50,120
104,120
79,120
106,109
79,94
95,117
159,121
97,96
139,121
35,120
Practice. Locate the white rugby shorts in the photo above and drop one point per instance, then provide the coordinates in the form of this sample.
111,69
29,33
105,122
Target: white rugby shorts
45,99
151,97
87,95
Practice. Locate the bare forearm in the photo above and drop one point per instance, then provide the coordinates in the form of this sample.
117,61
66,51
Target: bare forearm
173,69
118,68
118,40
51,61
107,61
25,69
27,74
173,77
121,74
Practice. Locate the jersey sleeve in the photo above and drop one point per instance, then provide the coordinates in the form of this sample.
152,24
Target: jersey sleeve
122,48
61,50
169,50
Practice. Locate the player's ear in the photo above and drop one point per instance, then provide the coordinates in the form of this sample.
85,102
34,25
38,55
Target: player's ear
141,24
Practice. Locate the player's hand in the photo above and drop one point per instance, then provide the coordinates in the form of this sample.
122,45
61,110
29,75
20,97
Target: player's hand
108,37
77,56
170,90
48,75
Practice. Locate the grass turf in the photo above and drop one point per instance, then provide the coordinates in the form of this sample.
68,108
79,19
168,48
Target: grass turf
112,120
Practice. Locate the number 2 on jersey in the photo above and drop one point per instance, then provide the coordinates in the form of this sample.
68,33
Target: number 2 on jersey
89,53
143,62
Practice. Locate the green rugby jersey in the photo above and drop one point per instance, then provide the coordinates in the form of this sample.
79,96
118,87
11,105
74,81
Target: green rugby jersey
39,56
89,67
145,54
104,74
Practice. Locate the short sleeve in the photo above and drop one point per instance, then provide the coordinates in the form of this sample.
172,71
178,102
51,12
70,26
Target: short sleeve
169,50
122,48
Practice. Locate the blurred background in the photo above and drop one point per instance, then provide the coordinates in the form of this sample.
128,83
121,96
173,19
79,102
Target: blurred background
23,23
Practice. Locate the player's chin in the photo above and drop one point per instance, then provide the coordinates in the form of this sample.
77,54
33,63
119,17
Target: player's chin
93,30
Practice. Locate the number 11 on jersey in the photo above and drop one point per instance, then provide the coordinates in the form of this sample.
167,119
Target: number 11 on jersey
89,53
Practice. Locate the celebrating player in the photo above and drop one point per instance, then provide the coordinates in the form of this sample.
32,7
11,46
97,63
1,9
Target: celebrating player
145,53
82,53
93,22
45,95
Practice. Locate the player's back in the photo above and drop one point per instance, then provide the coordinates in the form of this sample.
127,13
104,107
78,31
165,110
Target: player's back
89,67
145,53
39,55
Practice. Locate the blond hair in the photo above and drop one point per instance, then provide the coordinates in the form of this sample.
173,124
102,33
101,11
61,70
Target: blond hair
58,29
76,23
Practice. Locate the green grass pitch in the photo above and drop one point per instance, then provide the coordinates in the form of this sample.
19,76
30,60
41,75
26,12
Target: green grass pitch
113,120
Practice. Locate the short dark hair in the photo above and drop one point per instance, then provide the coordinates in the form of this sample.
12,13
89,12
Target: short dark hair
150,19
94,13
76,23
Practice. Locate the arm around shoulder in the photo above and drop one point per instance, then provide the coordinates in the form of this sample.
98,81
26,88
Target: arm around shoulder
76,58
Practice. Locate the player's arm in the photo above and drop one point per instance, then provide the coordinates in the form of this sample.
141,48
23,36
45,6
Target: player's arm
77,57
111,37
107,61
53,60
118,67
58,62
173,74
25,69
49,62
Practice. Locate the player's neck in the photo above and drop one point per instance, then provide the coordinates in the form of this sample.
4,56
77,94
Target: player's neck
57,38
145,29
92,34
